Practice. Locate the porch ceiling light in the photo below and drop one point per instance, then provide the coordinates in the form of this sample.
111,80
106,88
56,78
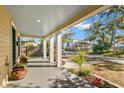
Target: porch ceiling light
38,21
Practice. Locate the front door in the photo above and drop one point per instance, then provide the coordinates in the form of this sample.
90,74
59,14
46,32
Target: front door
14,45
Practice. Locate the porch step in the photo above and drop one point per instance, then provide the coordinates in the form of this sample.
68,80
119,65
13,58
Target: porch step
41,64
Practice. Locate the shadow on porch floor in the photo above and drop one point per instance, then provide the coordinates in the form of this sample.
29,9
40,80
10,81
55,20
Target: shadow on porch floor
48,77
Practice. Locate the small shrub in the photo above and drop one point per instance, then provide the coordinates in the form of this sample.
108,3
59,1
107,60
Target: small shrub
121,50
106,85
74,70
108,54
122,55
71,70
101,47
23,59
79,59
84,72
30,54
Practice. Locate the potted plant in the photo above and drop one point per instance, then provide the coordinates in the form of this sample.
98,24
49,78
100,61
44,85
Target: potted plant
19,71
23,60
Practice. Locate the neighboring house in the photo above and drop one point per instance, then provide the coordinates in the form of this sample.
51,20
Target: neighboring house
76,40
28,43
69,44
79,44
24,45
119,45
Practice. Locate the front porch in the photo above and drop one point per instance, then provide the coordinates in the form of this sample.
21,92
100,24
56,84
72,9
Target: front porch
42,74
47,25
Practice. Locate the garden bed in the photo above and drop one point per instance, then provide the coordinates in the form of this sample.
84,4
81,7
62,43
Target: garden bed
100,82
109,71
93,79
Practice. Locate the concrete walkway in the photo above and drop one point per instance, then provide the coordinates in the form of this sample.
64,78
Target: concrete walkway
48,77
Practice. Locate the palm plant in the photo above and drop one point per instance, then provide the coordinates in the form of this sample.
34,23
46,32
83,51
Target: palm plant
80,58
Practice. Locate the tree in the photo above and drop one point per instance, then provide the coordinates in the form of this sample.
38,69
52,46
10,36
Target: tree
67,37
31,40
41,40
115,22
104,28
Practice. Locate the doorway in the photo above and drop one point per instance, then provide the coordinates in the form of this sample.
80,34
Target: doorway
14,45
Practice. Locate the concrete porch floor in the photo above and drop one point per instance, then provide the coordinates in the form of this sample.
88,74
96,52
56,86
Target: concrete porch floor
46,75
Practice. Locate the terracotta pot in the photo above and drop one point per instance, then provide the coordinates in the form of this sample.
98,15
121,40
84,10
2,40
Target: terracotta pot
18,73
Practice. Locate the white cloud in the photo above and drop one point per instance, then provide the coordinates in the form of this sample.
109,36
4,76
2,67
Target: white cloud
84,22
82,26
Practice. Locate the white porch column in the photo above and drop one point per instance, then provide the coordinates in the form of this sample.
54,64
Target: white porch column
59,50
51,50
44,49
20,46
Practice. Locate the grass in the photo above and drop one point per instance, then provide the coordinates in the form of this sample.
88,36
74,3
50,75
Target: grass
109,71
119,54
114,55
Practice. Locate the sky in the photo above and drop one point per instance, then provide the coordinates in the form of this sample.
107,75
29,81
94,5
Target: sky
80,29
27,38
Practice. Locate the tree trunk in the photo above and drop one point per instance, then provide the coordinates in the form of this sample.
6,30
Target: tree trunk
112,38
113,41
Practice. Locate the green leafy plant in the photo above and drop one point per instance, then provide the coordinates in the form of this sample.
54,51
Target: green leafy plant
20,66
74,70
100,47
108,54
84,72
23,60
106,85
79,59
